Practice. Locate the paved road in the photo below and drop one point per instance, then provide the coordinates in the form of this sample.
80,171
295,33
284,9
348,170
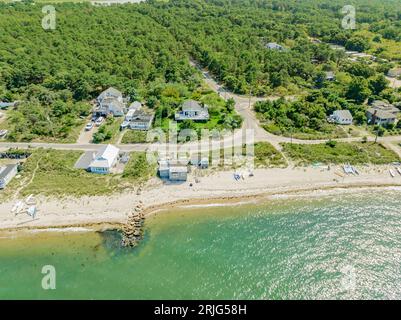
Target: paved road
243,105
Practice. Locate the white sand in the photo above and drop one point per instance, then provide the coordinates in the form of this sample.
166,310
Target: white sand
218,186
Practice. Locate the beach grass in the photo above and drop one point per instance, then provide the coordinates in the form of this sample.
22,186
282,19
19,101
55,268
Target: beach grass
340,153
264,155
51,173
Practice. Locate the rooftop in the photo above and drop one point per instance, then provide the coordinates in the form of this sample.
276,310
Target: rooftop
381,114
345,114
5,171
191,105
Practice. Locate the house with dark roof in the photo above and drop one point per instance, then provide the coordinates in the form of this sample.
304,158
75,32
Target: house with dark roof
192,110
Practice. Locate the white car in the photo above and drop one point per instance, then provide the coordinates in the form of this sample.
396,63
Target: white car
99,121
89,126
3,133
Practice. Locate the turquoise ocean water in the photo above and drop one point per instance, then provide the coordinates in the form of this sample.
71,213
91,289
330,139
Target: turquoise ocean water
331,247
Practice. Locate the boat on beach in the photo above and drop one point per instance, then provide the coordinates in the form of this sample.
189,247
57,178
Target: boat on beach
392,173
18,207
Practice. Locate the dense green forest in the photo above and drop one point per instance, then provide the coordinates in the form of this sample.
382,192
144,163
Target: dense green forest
144,50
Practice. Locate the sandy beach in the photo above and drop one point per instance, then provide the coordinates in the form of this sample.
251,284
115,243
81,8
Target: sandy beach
216,187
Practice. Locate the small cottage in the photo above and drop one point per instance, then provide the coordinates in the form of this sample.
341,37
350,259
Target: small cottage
141,120
192,110
343,117
104,160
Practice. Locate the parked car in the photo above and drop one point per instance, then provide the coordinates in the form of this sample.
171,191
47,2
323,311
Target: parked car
89,126
99,121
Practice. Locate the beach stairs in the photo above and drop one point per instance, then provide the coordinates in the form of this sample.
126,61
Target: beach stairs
133,229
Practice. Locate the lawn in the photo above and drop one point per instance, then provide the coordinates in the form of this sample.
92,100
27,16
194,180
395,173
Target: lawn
331,132
339,153
51,172
134,136
109,131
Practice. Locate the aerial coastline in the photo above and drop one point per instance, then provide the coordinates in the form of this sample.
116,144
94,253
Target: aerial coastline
105,212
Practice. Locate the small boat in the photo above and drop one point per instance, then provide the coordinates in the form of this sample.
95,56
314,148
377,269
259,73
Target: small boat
399,170
18,207
31,211
392,173
30,200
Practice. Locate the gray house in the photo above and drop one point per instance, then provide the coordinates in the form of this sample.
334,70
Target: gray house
7,173
192,110
173,170
385,106
110,102
275,46
380,117
141,120
110,93
178,173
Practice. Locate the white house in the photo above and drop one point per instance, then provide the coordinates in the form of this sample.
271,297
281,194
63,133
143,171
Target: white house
104,159
7,173
342,117
192,110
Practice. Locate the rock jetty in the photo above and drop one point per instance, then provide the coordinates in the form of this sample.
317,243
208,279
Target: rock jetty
133,229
